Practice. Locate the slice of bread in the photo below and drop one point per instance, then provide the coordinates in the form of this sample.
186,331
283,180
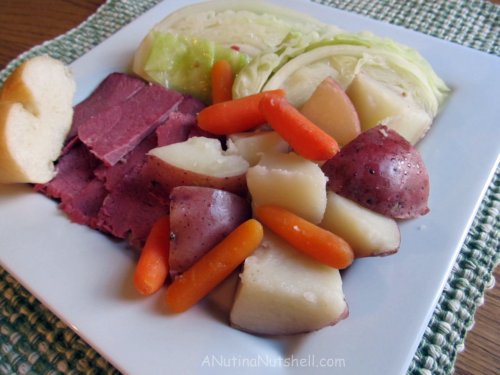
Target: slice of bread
36,111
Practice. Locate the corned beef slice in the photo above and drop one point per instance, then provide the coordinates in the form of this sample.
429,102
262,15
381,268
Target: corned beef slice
112,176
118,123
80,193
180,123
84,207
114,89
112,133
129,211
191,106
75,170
176,129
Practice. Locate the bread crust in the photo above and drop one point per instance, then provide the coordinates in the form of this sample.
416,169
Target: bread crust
9,169
35,116
15,89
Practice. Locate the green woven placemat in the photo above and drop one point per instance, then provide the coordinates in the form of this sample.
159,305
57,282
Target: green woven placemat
34,341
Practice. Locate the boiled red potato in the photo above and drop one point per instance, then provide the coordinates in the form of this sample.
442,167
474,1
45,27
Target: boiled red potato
251,146
368,232
199,161
282,292
200,218
289,181
330,108
381,171
377,104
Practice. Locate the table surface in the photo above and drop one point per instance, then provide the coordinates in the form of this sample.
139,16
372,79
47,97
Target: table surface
22,29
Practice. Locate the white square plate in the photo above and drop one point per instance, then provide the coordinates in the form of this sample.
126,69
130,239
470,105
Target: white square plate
86,278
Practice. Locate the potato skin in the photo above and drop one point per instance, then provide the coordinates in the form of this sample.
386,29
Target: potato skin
381,171
200,218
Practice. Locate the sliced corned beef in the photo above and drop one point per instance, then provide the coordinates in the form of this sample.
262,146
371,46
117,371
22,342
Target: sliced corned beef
182,124
84,207
114,89
80,193
190,105
112,133
114,175
99,181
175,129
129,212
75,170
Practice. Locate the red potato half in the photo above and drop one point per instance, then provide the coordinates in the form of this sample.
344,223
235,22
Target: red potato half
382,171
199,161
200,218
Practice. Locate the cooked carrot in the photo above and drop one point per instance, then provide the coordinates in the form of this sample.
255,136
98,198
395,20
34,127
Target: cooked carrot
152,268
236,115
303,235
211,269
222,78
307,139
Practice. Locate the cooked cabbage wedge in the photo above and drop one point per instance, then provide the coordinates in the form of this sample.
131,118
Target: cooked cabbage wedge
273,47
408,91
183,63
181,49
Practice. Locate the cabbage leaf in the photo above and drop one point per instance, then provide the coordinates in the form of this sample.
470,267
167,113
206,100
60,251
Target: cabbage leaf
184,63
342,56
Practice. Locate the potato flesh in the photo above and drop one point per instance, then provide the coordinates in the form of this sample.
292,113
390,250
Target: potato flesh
289,181
330,108
203,156
251,146
368,232
377,104
271,299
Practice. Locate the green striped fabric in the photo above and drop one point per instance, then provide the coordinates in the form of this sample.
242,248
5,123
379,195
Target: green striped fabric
34,341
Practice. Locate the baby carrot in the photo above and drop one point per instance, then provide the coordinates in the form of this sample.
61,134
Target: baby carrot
234,116
152,268
312,240
307,139
222,78
210,270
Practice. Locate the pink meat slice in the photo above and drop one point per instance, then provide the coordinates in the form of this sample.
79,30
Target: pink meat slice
126,215
129,212
100,181
114,132
114,89
81,195
113,176
191,106
84,208
74,171
176,129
